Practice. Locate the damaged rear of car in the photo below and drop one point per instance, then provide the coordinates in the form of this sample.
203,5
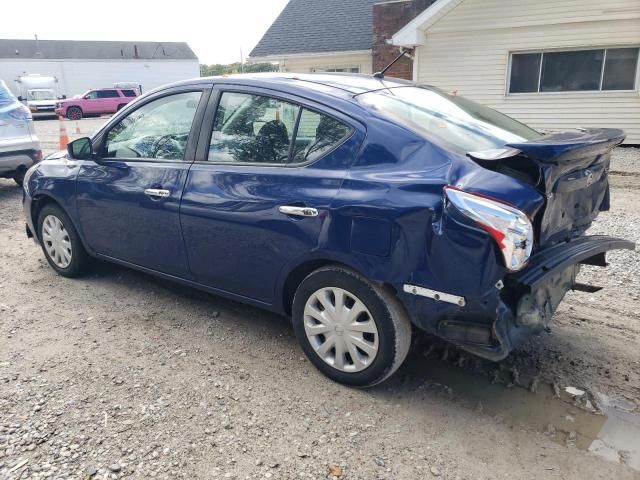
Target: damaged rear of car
508,234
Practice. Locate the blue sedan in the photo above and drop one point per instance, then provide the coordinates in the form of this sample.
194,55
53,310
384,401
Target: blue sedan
361,207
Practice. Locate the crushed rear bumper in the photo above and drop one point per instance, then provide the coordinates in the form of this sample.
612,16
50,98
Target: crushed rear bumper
528,300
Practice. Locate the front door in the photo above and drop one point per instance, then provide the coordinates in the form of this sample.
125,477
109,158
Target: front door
92,103
128,199
258,200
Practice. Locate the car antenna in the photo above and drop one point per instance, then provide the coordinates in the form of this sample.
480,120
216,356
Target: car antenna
381,73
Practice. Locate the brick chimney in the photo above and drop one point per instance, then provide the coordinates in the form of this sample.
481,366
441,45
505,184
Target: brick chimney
388,18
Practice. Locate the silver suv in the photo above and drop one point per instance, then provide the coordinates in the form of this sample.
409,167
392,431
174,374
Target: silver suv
19,146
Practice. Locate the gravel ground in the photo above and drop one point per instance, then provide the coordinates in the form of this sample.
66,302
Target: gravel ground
121,375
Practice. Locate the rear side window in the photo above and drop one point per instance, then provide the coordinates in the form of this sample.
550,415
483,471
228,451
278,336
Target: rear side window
108,94
316,135
259,129
159,130
129,93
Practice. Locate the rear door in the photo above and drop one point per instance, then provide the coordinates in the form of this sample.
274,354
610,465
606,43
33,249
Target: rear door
257,199
128,198
109,101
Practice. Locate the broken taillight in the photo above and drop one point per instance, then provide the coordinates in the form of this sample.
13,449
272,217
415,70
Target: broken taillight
509,227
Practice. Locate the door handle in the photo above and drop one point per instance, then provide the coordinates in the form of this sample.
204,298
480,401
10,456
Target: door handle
157,193
298,211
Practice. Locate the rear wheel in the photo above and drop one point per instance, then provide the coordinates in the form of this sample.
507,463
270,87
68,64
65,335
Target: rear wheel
74,113
353,331
60,242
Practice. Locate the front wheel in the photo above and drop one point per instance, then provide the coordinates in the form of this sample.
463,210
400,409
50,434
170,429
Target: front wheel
355,332
19,177
74,113
60,242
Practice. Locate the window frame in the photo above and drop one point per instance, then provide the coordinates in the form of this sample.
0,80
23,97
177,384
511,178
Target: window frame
113,90
192,142
508,93
204,144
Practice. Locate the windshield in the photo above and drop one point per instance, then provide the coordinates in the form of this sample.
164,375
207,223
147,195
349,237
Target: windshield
461,124
41,95
6,96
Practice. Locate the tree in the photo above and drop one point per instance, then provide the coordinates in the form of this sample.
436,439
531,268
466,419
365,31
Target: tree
231,68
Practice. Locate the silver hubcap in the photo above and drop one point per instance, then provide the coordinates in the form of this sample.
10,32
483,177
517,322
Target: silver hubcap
341,329
56,241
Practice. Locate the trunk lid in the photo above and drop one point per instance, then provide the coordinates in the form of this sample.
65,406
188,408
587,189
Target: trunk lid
570,169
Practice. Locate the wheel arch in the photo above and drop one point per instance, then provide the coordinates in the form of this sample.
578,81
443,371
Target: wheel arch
300,271
69,107
40,201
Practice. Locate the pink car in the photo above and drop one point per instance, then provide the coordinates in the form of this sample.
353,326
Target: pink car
96,102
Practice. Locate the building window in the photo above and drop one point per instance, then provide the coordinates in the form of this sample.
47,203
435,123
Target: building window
574,70
349,69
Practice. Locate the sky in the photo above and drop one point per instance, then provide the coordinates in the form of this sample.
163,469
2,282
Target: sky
216,30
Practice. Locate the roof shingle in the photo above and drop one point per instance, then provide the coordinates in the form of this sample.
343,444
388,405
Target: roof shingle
94,50
312,26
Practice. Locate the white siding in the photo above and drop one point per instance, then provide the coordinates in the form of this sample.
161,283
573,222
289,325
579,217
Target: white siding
77,76
468,51
306,64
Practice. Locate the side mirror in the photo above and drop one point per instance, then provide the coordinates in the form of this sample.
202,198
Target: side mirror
20,99
80,149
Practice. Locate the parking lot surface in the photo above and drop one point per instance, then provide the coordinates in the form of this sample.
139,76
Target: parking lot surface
121,375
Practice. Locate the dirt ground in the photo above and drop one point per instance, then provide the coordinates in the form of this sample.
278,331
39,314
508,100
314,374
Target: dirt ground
122,375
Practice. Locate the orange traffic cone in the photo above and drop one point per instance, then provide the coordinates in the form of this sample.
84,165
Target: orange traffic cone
78,132
64,138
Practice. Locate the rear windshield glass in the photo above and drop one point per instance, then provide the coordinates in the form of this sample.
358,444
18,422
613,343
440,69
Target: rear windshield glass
459,123
5,95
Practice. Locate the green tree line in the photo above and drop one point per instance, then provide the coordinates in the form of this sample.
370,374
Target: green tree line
231,68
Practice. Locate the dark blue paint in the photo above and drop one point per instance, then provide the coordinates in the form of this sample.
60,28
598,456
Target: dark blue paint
118,220
380,198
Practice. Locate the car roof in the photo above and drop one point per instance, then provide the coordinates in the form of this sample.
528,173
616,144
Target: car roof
323,84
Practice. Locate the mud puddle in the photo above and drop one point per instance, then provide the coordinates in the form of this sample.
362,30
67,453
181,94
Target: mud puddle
607,427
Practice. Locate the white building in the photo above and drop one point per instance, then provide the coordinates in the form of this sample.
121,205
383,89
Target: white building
81,65
550,64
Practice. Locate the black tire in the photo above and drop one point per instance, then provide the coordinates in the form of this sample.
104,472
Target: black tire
80,260
391,320
74,113
121,106
19,177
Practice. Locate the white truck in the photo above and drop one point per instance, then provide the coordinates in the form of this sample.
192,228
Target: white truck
39,93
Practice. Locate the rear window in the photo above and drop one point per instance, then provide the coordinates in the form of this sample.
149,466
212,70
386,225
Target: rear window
108,94
459,123
129,93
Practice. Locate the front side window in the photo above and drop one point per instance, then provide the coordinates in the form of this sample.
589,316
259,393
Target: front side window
91,95
574,71
159,129
463,125
258,129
